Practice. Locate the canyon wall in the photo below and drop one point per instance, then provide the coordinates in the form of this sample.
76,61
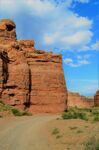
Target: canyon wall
76,100
30,79
96,99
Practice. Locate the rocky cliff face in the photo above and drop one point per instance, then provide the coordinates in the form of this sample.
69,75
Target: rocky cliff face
75,99
30,79
96,98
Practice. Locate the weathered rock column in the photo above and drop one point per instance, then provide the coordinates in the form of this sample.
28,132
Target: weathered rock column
15,89
48,87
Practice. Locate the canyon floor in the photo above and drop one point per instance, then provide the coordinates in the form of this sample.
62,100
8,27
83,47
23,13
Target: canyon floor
46,132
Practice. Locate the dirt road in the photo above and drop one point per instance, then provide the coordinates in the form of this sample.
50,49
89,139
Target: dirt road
24,133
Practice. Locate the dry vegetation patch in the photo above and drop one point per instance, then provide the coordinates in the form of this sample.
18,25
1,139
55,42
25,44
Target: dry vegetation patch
77,132
7,110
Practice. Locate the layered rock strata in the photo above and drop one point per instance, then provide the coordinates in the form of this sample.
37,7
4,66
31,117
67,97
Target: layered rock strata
30,79
76,100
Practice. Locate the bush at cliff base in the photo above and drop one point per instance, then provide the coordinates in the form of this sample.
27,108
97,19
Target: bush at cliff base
91,114
9,110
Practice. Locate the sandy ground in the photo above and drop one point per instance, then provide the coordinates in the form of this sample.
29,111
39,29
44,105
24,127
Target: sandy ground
36,133
24,133
72,134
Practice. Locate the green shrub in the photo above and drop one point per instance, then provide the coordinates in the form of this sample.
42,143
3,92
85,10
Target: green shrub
74,115
73,128
92,144
58,136
69,115
88,114
96,118
79,131
82,116
2,102
84,109
16,112
25,113
11,109
95,111
55,131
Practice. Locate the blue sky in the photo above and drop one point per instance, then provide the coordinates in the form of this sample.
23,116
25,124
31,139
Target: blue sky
67,27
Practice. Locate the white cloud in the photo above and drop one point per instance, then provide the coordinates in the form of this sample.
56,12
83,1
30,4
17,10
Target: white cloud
83,62
68,30
78,38
39,7
81,22
10,6
69,2
68,60
95,46
79,57
70,33
78,61
82,1
50,39
86,56
61,26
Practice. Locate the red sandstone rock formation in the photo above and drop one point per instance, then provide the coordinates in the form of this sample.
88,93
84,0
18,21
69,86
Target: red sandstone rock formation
76,100
7,31
30,79
96,98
